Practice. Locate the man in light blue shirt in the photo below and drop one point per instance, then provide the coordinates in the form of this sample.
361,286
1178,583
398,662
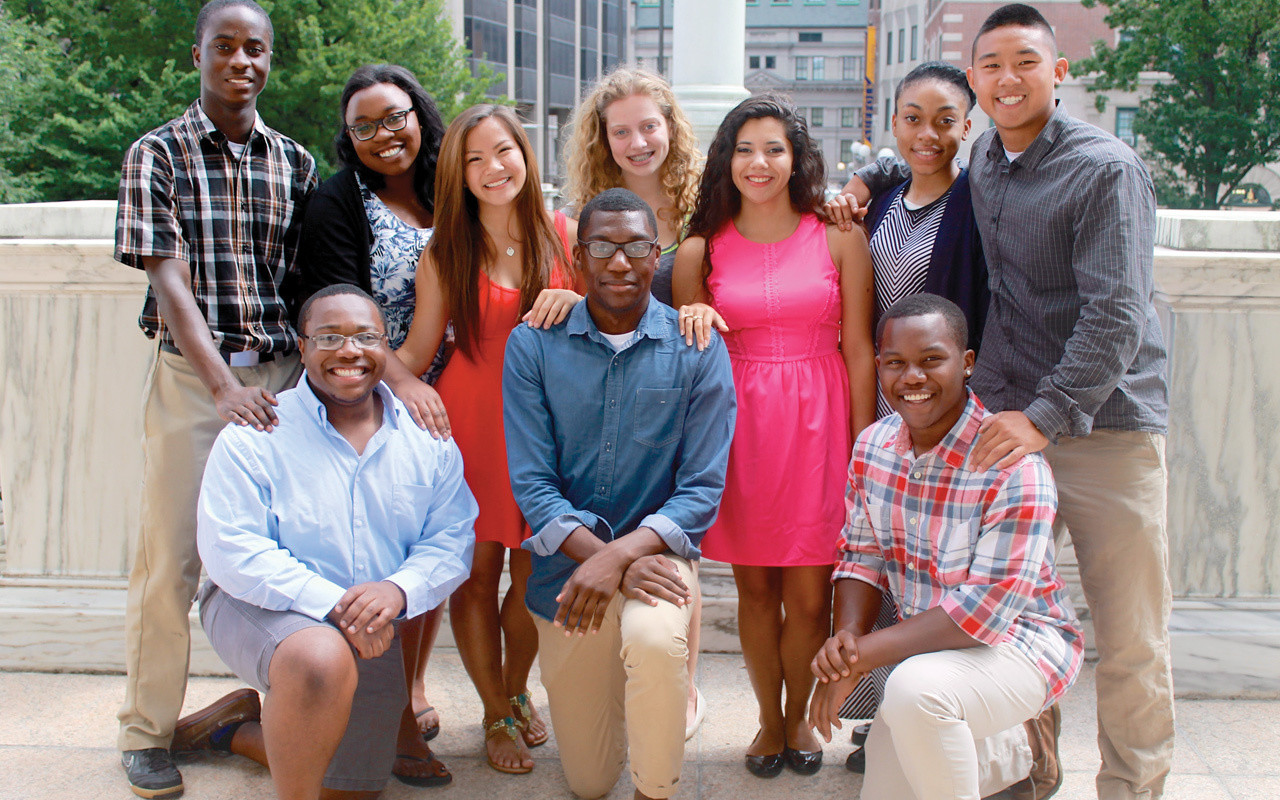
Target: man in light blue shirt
617,440
316,537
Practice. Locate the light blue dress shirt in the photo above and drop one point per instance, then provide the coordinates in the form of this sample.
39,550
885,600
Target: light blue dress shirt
613,439
291,519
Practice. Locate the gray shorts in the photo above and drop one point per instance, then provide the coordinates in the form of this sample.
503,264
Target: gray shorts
245,637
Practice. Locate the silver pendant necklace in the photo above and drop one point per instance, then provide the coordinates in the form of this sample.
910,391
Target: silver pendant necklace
511,251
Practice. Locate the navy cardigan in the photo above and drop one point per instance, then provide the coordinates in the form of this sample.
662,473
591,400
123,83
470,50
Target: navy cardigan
957,267
336,236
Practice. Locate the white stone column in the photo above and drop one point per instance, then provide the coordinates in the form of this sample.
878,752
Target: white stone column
708,61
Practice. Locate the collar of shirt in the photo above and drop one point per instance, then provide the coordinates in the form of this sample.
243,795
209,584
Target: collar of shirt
317,412
653,325
1039,146
204,130
955,446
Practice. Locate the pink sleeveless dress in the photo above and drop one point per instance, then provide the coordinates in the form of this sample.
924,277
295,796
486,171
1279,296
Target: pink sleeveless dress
784,493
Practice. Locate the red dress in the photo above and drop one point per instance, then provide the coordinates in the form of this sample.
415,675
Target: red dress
471,388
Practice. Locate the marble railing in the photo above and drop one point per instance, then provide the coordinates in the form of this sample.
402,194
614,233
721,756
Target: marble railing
73,364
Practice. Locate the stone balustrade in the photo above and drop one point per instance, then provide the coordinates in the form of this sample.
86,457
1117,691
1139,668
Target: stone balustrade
73,364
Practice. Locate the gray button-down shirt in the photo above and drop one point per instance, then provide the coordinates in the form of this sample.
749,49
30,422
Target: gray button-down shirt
1068,229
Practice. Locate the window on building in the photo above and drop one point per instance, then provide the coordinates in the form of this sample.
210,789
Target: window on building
888,112
1124,126
770,62
902,44
819,68
850,68
848,117
846,151
802,68
753,62
817,117
915,42
888,48
810,37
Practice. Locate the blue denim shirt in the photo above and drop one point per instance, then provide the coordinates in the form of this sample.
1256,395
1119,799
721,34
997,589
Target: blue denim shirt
613,440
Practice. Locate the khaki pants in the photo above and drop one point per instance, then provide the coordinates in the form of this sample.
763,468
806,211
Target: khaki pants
1111,498
626,683
950,725
180,424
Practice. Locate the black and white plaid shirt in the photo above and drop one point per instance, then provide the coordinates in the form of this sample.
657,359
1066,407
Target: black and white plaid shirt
1068,229
184,194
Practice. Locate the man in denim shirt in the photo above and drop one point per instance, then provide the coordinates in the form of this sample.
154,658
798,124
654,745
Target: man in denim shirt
617,440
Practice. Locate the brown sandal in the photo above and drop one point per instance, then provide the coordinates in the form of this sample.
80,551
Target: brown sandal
524,718
506,726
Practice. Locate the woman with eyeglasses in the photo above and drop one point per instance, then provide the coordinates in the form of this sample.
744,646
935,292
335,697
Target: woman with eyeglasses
797,299
367,226
497,259
630,132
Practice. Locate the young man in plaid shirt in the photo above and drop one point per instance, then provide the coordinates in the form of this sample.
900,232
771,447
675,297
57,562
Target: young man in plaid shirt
210,206
988,640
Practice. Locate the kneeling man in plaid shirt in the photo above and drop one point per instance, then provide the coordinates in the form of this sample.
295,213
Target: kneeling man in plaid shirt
988,640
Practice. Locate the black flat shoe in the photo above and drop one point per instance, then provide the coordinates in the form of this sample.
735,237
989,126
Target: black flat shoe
802,762
857,761
765,766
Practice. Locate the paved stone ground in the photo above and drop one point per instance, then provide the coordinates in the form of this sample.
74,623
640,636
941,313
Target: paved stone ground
57,740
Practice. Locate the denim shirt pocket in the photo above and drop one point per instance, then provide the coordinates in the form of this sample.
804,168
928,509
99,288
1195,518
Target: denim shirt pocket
659,416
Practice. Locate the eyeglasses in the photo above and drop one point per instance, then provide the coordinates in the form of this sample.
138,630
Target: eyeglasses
598,249
395,121
334,341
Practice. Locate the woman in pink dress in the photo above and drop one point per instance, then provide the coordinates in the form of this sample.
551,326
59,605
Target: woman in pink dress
794,299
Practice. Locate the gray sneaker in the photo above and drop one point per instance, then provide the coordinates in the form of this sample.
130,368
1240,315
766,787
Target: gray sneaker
152,773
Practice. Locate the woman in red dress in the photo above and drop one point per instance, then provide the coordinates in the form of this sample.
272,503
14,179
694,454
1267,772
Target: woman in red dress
497,258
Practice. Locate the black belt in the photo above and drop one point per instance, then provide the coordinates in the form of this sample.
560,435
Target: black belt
248,358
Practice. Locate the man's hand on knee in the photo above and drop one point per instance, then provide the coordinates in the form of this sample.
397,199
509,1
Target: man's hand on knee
654,578
370,645
368,606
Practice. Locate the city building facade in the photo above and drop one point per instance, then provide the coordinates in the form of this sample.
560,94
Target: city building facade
813,50
547,51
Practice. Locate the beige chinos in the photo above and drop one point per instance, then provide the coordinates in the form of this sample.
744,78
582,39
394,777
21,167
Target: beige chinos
180,424
628,683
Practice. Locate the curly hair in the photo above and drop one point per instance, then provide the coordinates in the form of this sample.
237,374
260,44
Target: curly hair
429,121
591,168
460,247
718,198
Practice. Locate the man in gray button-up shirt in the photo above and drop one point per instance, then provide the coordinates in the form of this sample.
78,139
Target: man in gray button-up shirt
1073,359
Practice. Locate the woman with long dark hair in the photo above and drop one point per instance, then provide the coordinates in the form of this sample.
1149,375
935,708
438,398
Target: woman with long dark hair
795,298
497,258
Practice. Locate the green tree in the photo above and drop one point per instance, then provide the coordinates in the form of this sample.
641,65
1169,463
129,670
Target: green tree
27,58
1217,115
124,67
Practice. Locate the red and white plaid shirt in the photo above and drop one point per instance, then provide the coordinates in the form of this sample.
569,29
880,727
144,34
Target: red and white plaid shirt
977,544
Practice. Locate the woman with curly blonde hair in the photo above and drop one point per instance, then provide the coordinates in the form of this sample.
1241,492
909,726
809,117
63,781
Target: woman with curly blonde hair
629,132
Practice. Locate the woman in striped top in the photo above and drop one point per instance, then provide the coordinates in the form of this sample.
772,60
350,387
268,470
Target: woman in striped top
923,234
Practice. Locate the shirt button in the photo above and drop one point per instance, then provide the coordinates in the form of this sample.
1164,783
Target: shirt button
917,475
913,520
608,446
613,403
245,248
244,206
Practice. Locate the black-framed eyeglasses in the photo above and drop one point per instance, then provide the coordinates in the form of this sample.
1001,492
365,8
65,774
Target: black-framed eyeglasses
365,340
598,249
395,121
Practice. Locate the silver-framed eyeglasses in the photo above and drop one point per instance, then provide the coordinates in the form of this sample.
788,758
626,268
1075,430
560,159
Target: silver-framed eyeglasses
395,121
599,249
365,340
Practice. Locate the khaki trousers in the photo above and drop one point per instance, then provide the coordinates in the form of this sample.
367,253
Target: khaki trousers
626,683
180,423
950,725
1111,498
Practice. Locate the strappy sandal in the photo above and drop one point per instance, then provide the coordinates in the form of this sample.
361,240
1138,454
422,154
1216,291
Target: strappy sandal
524,718
507,727
431,731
